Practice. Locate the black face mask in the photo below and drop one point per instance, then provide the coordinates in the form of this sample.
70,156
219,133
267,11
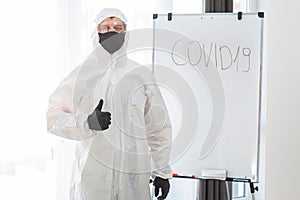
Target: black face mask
111,41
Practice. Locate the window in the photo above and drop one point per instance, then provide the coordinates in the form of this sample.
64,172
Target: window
188,6
28,60
240,6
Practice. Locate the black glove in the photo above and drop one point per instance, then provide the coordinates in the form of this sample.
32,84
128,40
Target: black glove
99,120
164,185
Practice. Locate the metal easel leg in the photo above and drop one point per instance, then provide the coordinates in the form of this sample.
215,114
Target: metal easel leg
252,190
227,191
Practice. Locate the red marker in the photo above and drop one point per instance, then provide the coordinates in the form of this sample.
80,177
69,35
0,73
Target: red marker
183,176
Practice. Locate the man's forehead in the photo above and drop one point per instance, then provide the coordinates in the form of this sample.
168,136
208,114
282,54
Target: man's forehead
111,20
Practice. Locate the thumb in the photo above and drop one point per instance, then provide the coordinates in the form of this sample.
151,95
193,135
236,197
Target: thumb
156,191
99,107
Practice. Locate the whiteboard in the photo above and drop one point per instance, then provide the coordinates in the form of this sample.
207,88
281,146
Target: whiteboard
209,71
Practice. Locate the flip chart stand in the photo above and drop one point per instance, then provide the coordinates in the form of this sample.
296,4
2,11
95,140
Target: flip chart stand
212,174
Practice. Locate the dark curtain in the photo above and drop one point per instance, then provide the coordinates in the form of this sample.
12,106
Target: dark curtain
214,190
218,6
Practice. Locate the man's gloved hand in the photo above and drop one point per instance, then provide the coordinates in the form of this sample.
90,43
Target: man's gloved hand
164,185
99,120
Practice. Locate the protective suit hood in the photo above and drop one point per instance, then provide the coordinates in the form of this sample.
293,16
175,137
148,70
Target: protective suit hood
110,12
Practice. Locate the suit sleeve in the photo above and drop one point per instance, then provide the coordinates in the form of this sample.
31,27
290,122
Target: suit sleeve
63,117
159,131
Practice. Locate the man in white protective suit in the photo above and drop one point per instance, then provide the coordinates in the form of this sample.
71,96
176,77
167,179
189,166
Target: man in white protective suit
112,106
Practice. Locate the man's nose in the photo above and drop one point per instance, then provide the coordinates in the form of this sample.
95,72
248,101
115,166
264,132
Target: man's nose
111,28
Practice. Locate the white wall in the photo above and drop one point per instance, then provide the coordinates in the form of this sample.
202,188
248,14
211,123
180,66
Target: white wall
283,101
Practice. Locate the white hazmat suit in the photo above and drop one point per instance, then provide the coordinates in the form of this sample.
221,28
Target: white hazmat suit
114,164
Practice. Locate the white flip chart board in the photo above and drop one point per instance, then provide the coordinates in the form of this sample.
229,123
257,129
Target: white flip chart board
209,70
